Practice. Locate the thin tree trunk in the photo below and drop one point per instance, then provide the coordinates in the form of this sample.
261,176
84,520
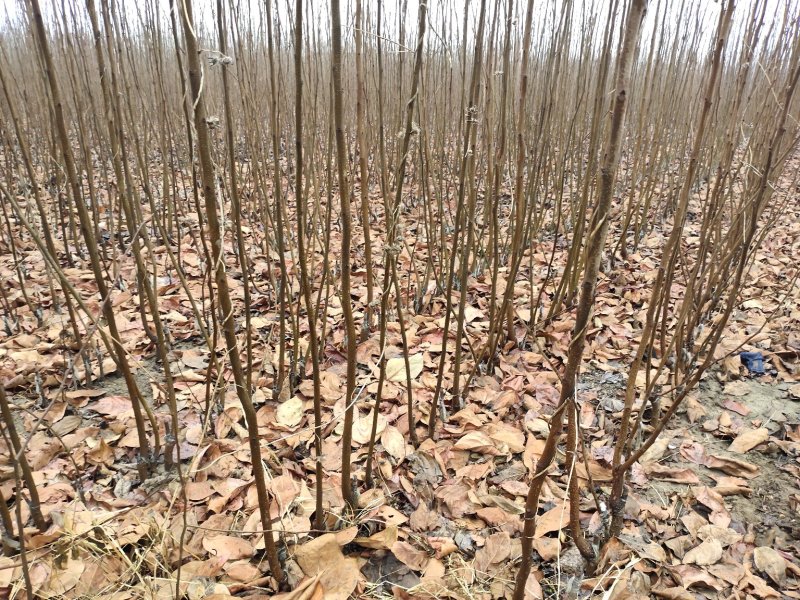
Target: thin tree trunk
598,230
223,292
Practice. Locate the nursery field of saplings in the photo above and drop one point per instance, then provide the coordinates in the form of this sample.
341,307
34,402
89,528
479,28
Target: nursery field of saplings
422,299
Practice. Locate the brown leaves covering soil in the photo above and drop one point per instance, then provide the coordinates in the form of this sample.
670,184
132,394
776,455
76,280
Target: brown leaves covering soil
712,510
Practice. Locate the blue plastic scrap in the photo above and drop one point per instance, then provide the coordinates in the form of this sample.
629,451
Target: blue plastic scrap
753,361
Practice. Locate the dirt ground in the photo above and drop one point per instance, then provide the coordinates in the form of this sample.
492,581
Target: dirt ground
771,508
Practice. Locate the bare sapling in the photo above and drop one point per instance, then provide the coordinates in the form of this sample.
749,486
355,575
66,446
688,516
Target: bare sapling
303,255
88,231
208,175
680,356
22,462
347,226
598,229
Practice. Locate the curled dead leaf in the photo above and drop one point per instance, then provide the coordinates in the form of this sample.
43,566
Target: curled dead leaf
674,474
554,519
477,441
394,443
495,550
707,553
770,561
649,550
309,589
323,557
382,540
694,410
396,367
656,451
749,439
362,428
198,490
290,412
413,558
732,466
229,547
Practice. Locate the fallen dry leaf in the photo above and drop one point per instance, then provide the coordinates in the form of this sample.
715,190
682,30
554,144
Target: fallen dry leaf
673,474
769,561
656,451
736,407
649,550
322,556
362,428
690,576
381,540
113,406
477,441
290,413
423,518
737,388
533,589
725,535
413,558
496,549
707,553
548,548
508,439
749,439
229,547
732,486
62,579
434,570
732,466
673,593
730,573
396,368
554,519
309,589
598,472
242,571
198,490
694,410
394,443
